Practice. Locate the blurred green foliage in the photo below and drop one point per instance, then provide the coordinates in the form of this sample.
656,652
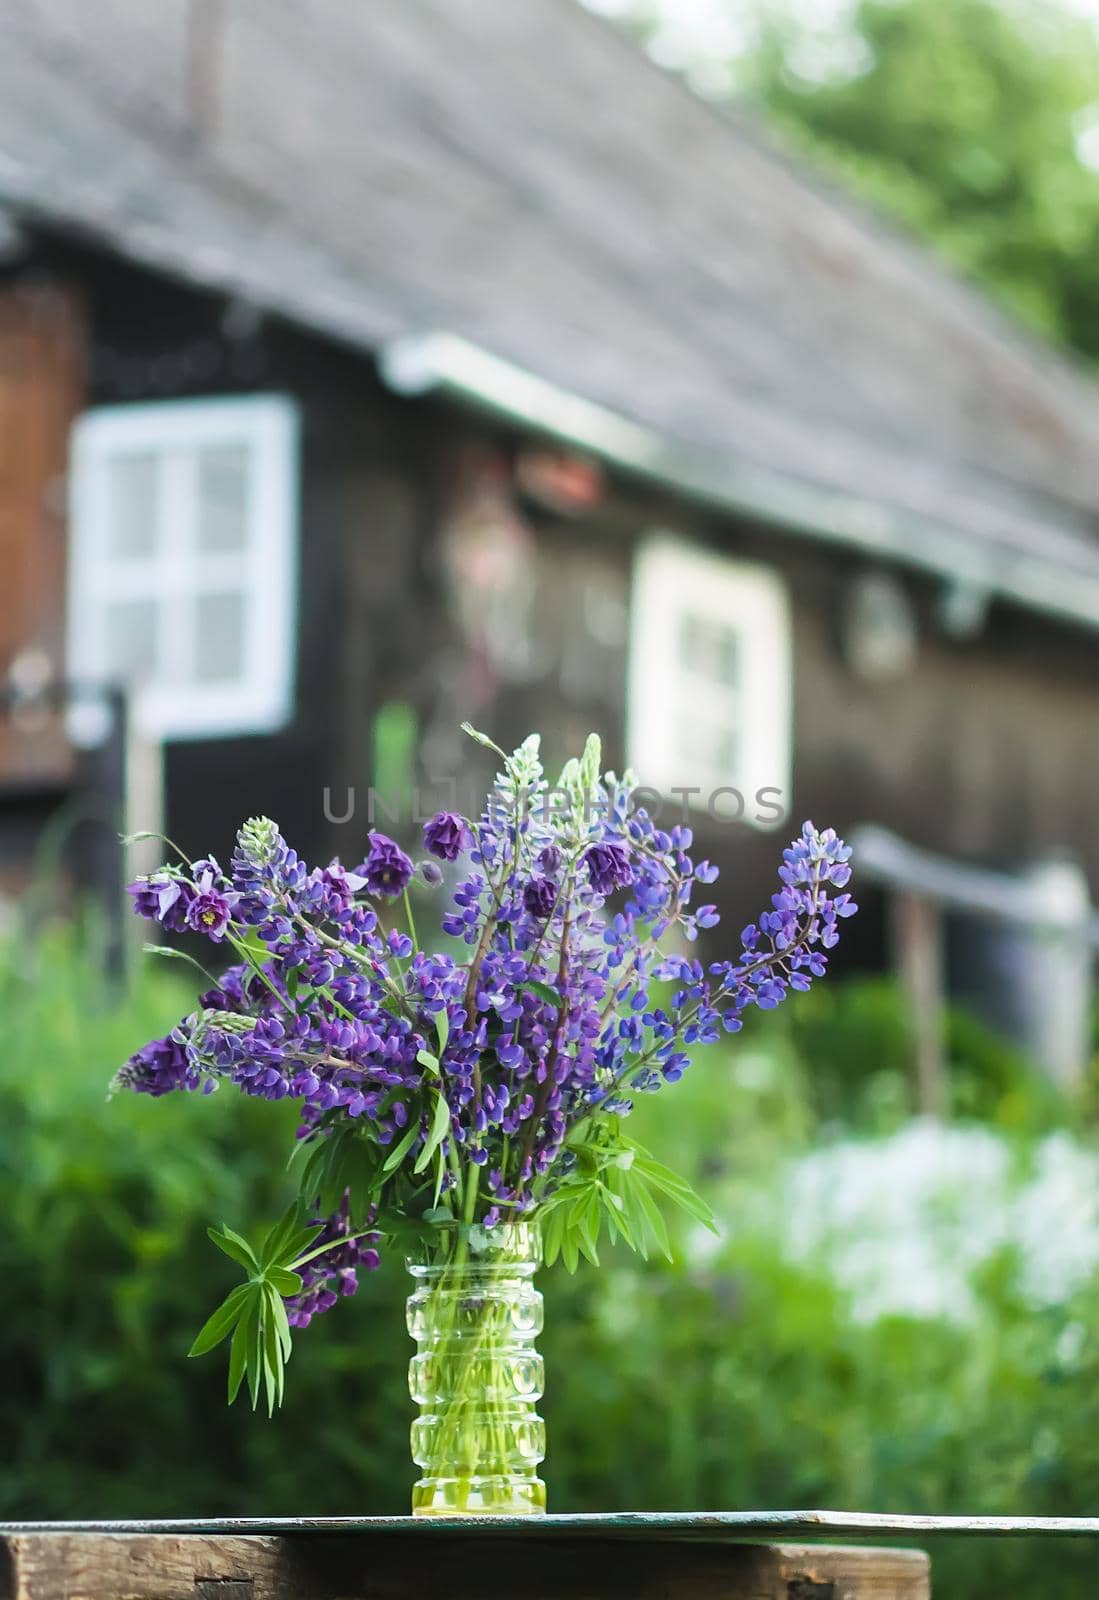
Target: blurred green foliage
974,123
966,119
732,1378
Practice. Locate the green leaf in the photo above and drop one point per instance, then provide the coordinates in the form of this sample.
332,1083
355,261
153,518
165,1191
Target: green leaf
251,945
234,1246
589,1216
654,1219
671,1184
426,1059
244,948
243,1338
553,1234
344,1161
617,1211
543,991
361,1176
440,1127
406,1231
273,1376
311,1180
282,1324
256,1348
219,1326
442,1029
570,1252
282,1280
274,1245
297,1244
399,1151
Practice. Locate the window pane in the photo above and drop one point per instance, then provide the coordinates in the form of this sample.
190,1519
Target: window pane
708,649
131,513
223,498
219,641
707,747
129,635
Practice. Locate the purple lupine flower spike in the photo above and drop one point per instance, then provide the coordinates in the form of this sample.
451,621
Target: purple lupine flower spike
548,1008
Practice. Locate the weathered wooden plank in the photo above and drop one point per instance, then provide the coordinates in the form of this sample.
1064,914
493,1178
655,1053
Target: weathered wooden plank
54,1566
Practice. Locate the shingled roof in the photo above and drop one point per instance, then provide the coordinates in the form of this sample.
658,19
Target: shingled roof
609,258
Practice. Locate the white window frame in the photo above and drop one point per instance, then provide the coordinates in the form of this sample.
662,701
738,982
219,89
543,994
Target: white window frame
672,578
267,426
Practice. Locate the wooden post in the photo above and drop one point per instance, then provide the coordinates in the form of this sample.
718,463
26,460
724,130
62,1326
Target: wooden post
917,930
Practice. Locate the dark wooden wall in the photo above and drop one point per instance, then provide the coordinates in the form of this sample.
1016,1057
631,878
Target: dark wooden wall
984,750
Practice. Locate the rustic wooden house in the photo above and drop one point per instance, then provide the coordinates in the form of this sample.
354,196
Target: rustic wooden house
364,368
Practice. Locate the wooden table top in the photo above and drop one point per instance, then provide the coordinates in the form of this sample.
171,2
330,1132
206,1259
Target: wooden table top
717,1527
694,1555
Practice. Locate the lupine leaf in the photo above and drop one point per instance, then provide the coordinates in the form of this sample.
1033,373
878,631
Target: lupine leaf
358,1176
273,1248
399,1151
570,1254
671,1184
255,1347
282,1323
442,1029
273,1377
553,1235
440,1174
634,1231
618,1212
654,1219
219,1326
588,1218
440,1127
234,1246
283,1281
241,1350
298,1244
426,1059
544,991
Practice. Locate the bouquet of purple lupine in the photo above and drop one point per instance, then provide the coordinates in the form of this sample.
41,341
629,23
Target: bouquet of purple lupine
480,1084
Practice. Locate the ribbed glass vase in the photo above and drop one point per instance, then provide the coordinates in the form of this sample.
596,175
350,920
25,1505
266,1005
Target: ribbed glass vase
474,1313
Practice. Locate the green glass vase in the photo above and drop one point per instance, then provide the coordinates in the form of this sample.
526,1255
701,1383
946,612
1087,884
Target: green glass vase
474,1313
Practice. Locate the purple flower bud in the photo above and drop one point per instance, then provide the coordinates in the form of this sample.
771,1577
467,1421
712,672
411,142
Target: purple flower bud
446,835
608,868
431,874
540,897
549,859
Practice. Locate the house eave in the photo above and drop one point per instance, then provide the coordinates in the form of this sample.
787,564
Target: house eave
455,368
